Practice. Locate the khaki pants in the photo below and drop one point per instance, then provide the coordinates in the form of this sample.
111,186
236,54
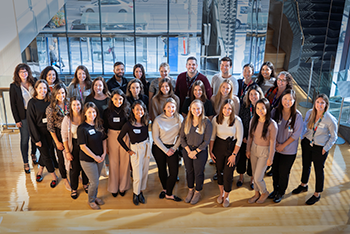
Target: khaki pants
119,160
140,165
258,158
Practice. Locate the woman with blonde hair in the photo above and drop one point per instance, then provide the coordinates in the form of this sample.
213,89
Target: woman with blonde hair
166,91
195,136
318,137
166,141
225,92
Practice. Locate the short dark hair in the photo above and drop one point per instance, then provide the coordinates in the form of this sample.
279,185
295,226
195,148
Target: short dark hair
226,59
191,58
118,63
250,66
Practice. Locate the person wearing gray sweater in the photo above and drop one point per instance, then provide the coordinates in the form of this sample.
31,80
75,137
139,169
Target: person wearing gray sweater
166,141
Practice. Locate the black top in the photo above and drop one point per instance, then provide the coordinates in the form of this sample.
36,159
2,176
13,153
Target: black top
208,107
37,120
92,138
113,84
246,114
101,104
17,104
243,88
114,119
136,134
143,98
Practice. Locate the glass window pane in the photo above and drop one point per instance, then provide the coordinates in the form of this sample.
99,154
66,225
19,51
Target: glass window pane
186,16
82,16
182,47
151,17
117,16
42,52
57,22
74,46
85,48
96,55
63,54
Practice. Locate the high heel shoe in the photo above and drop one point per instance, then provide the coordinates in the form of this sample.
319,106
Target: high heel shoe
34,159
26,168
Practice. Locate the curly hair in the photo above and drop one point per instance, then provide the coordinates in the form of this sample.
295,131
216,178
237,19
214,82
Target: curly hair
17,80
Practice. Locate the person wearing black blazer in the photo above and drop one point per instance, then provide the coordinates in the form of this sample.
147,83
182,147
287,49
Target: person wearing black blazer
21,90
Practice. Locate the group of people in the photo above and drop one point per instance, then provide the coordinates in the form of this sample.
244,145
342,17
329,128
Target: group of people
241,124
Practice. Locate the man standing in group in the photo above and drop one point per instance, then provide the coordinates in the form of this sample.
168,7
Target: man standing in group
186,79
118,80
225,67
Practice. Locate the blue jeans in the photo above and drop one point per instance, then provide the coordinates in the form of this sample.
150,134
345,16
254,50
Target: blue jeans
24,132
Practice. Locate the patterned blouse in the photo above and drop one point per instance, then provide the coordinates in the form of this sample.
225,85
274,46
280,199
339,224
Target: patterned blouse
55,117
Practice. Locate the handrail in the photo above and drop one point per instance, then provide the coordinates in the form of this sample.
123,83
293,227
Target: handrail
299,21
2,90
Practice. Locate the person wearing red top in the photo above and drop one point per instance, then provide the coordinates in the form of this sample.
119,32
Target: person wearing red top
185,80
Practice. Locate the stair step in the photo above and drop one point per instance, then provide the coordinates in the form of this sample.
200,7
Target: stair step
270,55
269,36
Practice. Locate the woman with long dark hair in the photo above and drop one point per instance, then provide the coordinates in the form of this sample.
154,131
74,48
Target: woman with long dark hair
283,82
319,135
195,136
290,125
165,133
266,77
51,76
165,91
246,113
261,147
134,91
55,113
139,73
93,149
224,146
37,121
99,94
21,91
114,118
69,132
139,150
81,84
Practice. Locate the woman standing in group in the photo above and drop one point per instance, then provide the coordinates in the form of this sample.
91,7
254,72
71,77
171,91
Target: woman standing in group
21,91
134,92
195,136
246,113
139,151
225,92
37,122
69,132
266,76
290,125
114,118
198,93
319,135
261,147
99,95
225,143
158,101
139,73
51,76
164,71
245,83
165,133
283,82
81,84
93,149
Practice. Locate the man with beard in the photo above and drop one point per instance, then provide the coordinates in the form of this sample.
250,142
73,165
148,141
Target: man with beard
118,80
186,79
225,68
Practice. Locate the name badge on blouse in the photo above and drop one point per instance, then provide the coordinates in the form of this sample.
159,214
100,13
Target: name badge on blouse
197,130
116,119
86,93
92,131
137,131
290,129
44,120
321,125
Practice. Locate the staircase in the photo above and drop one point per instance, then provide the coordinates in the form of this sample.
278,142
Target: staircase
271,53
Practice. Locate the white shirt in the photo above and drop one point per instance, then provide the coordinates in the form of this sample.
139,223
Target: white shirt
267,84
224,131
217,80
74,131
27,95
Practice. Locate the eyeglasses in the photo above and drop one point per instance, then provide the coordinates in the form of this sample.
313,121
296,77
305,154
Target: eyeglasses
280,79
23,72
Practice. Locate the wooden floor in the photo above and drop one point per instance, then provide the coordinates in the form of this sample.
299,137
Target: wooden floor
31,207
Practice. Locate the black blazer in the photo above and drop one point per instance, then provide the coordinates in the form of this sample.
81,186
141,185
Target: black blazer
17,105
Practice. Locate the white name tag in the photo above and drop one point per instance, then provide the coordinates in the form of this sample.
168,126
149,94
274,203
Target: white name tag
86,93
116,119
321,125
44,120
197,130
137,131
92,131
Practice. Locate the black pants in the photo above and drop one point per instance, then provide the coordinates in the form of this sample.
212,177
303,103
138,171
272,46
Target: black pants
46,150
61,166
282,163
242,166
195,168
313,154
74,172
222,153
168,181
